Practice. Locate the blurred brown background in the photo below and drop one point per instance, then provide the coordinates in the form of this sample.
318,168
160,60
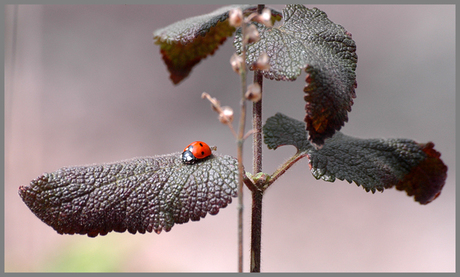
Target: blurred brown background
86,84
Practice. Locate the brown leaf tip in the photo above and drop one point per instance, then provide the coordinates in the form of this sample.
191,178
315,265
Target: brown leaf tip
426,180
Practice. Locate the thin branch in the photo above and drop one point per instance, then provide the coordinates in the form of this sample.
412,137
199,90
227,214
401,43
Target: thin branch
240,151
225,113
284,167
248,133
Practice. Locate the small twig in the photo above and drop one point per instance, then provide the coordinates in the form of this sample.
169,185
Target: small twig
242,72
250,132
284,167
225,113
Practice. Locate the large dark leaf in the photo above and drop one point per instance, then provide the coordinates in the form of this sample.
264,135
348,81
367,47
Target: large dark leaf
375,164
138,195
185,43
309,41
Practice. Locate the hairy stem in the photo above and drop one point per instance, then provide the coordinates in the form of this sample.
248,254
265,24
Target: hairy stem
257,194
256,230
257,126
256,219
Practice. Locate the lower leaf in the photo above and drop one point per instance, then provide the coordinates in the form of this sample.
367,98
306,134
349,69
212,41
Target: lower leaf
137,195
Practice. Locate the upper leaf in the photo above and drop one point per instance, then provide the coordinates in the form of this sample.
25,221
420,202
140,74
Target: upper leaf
309,41
375,164
184,43
142,194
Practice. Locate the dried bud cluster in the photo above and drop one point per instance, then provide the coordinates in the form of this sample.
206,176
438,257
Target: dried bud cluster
252,35
225,113
236,19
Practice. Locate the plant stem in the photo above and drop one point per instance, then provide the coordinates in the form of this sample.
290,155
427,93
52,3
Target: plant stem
257,194
256,229
257,125
240,152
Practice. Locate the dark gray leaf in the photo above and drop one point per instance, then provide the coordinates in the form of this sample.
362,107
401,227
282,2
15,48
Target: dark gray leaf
138,195
375,164
309,41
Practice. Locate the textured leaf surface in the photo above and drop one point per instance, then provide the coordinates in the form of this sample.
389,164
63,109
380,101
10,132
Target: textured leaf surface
375,164
184,43
138,195
282,130
309,41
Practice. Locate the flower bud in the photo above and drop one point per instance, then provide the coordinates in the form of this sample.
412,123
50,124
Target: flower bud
235,17
236,62
252,35
262,62
226,115
265,18
254,93
260,178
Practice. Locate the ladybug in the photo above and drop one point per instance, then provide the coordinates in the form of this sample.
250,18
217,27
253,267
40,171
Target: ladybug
195,152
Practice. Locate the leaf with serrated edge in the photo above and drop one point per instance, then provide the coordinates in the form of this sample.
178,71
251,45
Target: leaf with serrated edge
186,42
138,195
309,41
375,164
282,130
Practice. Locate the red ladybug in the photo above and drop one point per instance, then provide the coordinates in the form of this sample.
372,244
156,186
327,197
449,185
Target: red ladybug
195,152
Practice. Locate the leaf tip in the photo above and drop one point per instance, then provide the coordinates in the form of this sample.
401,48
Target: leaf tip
426,180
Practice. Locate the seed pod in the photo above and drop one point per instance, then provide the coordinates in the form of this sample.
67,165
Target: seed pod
265,17
262,62
236,62
235,17
252,35
254,93
226,115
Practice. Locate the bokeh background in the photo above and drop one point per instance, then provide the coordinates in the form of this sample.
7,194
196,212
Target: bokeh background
86,84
